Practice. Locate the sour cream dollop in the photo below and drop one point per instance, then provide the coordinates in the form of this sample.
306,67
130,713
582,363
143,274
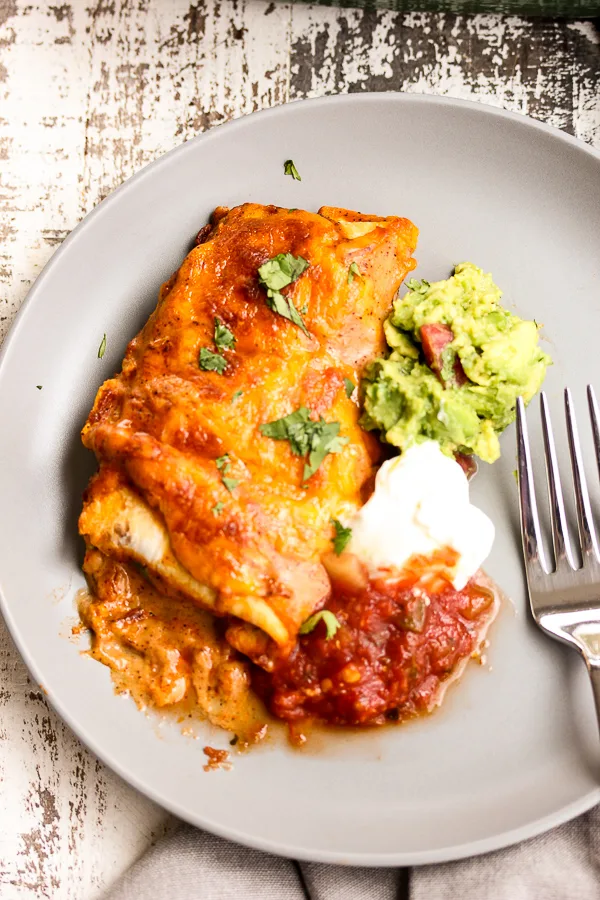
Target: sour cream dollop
420,505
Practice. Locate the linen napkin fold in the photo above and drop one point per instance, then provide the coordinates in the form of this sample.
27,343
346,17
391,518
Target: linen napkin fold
189,864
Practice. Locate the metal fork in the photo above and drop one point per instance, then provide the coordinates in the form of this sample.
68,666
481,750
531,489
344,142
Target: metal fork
565,600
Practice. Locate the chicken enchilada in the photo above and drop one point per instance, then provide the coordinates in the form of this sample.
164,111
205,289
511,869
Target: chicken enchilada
236,472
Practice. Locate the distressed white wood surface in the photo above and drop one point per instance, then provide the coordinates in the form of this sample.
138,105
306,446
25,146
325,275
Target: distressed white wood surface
89,93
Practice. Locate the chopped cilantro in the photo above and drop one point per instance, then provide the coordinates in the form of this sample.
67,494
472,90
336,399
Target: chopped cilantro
349,387
324,441
290,169
102,347
331,623
447,372
223,462
211,362
418,287
217,508
224,338
236,395
342,536
277,273
283,306
39,387
306,437
281,270
353,272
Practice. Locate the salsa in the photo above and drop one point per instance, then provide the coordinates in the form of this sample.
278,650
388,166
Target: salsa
398,644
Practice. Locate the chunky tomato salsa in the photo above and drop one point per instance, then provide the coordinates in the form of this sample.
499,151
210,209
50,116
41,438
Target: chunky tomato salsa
398,643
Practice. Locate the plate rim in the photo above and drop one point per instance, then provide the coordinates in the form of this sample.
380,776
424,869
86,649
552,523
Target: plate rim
455,852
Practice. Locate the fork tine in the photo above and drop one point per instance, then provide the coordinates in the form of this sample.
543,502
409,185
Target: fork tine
585,523
560,534
530,524
594,416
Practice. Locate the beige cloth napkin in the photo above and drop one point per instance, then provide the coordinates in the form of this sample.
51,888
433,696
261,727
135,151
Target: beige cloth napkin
193,865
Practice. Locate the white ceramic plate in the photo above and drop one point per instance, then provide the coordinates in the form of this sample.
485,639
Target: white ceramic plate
515,749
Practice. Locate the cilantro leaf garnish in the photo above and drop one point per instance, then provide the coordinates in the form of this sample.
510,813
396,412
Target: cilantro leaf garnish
223,462
290,169
224,338
236,395
283,306
102,347
281,270
447,372
418,287
211,362
349,387
277,273
325,440
331,623
342,536
353,272
217,508
314,440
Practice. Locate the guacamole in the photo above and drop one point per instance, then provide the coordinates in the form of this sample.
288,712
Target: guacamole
457,364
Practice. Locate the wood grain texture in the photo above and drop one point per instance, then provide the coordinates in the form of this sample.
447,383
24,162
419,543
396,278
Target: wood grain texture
89,93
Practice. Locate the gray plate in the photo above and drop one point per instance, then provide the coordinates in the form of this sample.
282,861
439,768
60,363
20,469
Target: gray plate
514,751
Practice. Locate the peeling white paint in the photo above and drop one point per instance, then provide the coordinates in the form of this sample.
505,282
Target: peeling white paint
587,29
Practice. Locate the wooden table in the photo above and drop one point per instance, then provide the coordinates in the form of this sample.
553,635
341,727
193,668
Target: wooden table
89,93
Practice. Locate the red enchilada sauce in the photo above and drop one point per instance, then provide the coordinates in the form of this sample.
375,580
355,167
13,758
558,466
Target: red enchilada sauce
401,640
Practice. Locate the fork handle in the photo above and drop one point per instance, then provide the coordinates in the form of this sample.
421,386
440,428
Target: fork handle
594,670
